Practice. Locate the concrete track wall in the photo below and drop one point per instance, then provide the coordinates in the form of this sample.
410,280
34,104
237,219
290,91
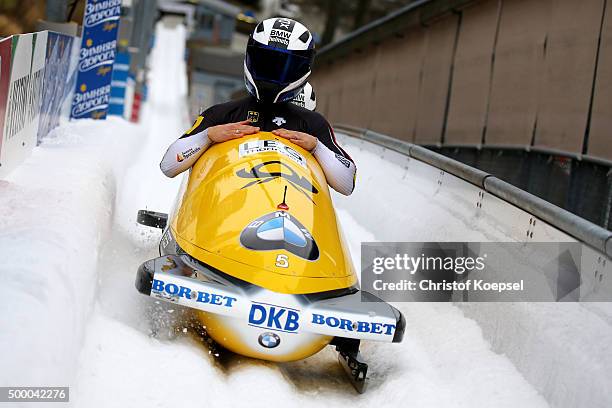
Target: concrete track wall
497,72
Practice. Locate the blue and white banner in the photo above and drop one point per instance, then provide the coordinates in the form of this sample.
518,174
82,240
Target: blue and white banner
96,58
58,82
119,84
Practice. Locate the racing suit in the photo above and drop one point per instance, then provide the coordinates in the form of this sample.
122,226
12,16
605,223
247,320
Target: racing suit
337,165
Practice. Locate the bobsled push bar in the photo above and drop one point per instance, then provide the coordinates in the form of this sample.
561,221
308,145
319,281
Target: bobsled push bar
152,219
183,280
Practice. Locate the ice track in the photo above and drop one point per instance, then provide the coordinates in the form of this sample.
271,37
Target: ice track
443,361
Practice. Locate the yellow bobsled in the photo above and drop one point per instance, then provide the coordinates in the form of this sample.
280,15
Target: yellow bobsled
254,245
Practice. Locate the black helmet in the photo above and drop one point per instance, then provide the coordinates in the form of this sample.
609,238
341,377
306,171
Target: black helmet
278,60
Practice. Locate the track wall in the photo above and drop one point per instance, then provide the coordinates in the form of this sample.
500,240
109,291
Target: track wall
37,79
490,72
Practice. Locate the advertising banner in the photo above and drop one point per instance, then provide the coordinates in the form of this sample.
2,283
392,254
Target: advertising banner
56,84
72,77
24,98
5,79
96,58
119,84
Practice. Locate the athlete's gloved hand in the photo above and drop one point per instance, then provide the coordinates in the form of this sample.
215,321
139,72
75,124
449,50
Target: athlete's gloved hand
304,140
229,131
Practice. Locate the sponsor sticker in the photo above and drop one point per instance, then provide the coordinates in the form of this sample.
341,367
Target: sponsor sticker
269,170
279,230
262,146
173,292
187,154
300,99
269,340
281,32
385,329
274,317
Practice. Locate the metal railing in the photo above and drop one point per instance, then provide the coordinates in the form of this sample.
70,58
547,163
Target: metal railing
581,229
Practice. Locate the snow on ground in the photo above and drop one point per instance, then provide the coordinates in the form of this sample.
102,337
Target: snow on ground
551,344
56,211
72,206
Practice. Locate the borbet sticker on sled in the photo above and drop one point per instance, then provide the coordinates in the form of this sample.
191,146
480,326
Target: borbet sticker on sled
278,230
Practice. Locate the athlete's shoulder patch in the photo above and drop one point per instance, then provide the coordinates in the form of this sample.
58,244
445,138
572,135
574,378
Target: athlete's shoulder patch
197,123
343,160
253,116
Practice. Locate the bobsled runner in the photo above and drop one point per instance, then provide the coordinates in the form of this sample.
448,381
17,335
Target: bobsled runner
254,246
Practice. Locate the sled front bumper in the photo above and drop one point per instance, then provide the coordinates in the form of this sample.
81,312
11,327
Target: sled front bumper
357,315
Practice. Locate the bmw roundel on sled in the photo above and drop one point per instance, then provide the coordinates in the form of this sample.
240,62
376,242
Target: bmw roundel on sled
253,245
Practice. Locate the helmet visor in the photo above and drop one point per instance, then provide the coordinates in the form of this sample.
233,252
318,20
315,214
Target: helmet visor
277,65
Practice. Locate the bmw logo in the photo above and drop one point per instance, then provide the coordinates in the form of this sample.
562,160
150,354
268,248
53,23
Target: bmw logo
269,340
279,230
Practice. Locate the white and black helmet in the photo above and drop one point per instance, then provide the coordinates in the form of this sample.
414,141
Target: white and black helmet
278,60
306,98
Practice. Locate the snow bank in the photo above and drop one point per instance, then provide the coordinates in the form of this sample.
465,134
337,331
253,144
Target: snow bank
557,347
56,210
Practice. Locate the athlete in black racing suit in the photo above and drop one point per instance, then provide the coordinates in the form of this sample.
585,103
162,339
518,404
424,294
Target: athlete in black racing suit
248,116
276,69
